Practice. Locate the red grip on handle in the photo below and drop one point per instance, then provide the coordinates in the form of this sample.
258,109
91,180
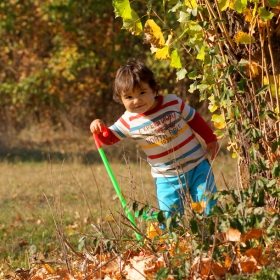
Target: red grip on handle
96,139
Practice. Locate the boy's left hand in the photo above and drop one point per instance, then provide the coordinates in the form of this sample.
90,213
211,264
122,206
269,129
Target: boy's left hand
214,146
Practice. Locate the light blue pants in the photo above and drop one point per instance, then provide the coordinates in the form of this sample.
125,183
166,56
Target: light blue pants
171,191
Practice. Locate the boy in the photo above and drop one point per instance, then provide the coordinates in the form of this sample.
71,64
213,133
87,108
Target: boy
163,126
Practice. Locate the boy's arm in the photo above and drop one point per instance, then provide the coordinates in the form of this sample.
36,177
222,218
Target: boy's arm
199,125
109,139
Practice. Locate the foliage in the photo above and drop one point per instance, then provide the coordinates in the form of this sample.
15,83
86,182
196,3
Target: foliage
58,60
235,47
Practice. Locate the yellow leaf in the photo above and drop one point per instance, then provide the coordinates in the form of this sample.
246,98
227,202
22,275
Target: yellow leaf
251,68
271,83
219,121
201,54
153,230
153,34
190,4
219,125
243,38
199,206
162,54
248,14
223,4
48,268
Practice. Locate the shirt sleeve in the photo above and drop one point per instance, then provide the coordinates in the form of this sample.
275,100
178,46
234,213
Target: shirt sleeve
109,139
187,111
199,125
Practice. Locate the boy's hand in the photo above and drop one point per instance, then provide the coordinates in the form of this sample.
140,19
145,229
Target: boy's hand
214,146
96,126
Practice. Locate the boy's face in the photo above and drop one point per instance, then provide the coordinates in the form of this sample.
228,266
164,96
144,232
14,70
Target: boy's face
140,99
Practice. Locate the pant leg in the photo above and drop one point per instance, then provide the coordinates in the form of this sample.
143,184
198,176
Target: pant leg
201,183
171,194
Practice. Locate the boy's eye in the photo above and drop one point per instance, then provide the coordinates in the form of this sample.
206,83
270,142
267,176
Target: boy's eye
128,97
142,92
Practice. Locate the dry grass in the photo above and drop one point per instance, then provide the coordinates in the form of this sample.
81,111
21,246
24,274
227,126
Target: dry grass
62,181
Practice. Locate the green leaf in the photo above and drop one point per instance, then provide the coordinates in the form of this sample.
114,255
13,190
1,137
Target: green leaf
133,25
273,3
193,87
160,217
193,75
275,169
265,14
239,5
181,74
217,210
261,198
131,21
183,17
175,59
262,163
253,168
162,273
237,112
223,4
194,226
122,9
275,145
224,225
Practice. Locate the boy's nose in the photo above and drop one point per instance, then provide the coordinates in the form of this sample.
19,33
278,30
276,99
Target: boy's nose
136,100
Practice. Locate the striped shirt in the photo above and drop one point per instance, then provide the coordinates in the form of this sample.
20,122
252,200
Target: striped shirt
164,135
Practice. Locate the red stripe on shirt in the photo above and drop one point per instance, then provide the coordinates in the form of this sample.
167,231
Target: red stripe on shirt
173,149
124,123
171,103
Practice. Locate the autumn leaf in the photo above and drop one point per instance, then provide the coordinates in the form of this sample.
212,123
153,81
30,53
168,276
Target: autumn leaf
199,207
207,266
230,235
265,14
153,34
252,233
223,4
153,229
249,267
250,67
243,38
175,60
254,252
238,5
219,121
162,54
248,14
190,4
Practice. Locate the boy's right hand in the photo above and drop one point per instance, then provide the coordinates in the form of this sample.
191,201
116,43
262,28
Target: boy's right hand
96,126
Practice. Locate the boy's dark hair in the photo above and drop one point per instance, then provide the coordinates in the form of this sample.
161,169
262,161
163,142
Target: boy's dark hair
130,75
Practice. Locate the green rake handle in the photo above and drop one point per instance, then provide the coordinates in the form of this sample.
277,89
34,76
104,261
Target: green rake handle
115,183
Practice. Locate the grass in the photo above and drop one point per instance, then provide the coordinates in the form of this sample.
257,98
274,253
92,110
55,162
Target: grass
61,183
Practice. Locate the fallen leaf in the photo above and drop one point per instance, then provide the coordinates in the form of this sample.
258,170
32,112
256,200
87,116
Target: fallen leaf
252,233
230,235
254,252
153,230
249,267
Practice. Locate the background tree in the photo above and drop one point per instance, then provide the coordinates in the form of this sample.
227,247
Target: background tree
58,61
